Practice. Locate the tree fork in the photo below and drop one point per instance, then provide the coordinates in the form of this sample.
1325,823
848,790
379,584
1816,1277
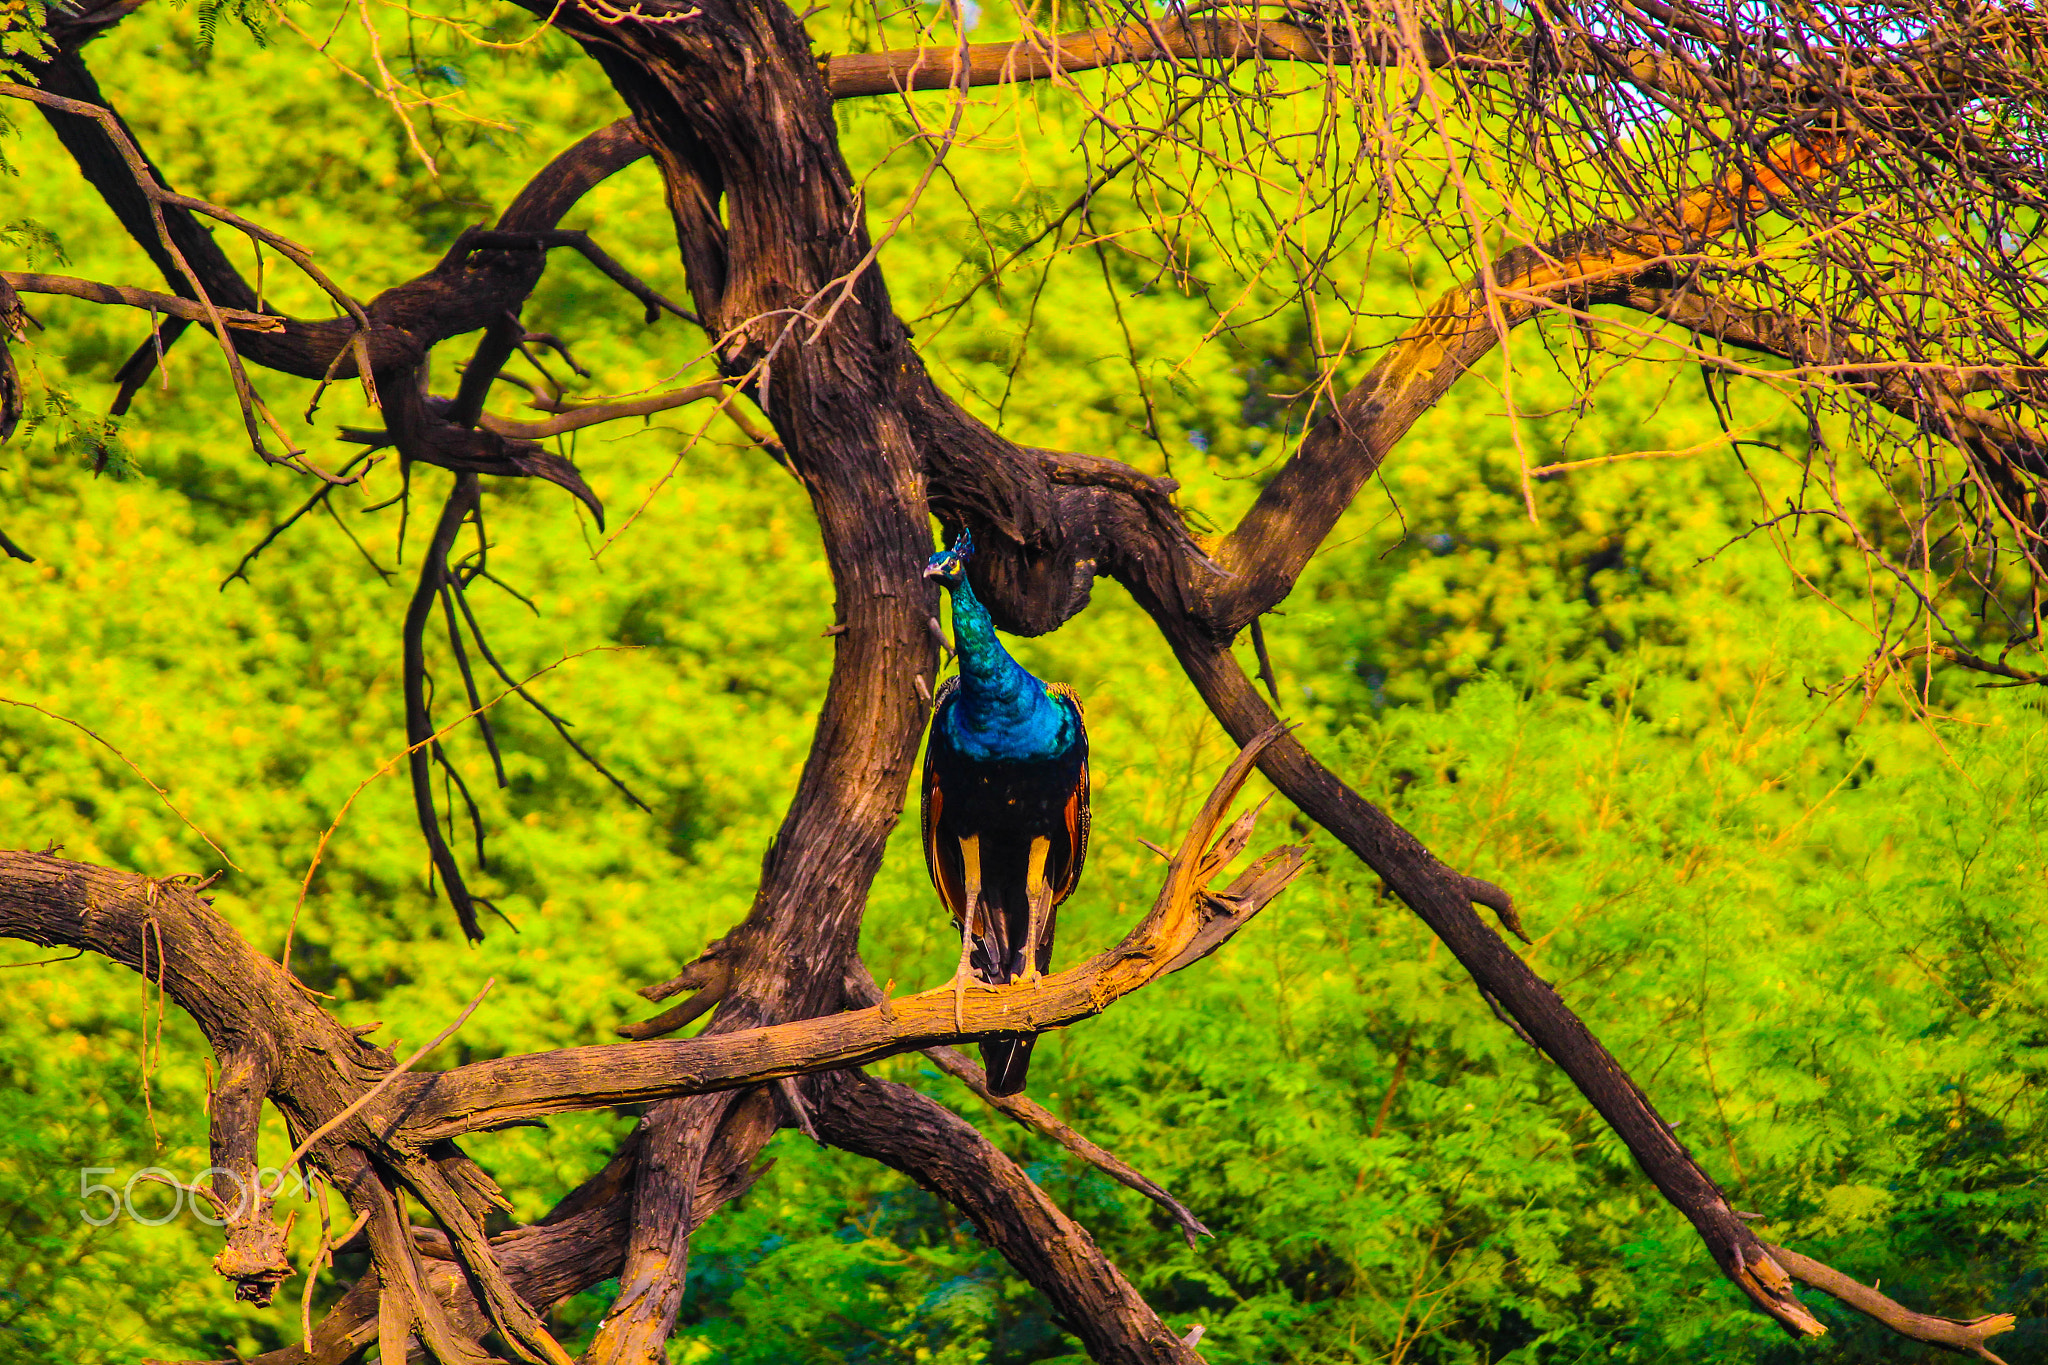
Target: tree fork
1443,900
735,111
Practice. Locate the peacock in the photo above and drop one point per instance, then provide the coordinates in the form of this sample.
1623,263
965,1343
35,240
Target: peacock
1005,807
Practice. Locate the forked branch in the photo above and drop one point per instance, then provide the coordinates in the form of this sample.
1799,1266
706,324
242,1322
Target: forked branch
357,1118
861,991
491,1094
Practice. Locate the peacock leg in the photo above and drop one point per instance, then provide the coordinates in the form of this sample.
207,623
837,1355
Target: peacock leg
1041,903
970,861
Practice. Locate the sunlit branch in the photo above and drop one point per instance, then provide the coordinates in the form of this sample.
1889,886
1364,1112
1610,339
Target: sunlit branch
1272,543
576,418
158,197
1963,1336
492,1093
1175,38
169,305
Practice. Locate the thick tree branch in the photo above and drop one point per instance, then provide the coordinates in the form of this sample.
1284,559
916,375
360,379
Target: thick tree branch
1297,509
942,1152
1185,916
355,1125
740,126
1175,38
258,1021
861,991
319,1068
1964,1337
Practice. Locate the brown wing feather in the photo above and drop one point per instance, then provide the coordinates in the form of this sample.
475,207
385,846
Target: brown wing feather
942,855
1077,841
947,865
1063,870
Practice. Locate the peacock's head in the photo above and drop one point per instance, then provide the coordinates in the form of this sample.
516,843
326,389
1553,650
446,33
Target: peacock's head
950,566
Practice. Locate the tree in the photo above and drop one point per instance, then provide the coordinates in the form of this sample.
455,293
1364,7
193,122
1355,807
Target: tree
1842,200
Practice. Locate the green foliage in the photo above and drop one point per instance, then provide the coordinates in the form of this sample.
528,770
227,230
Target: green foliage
21,35
35,242
252,15
1811,922
85,437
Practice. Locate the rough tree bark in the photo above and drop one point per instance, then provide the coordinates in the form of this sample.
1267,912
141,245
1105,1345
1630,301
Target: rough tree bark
736,110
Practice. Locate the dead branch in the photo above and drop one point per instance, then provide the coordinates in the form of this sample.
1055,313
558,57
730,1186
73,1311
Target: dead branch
1178,37
1045,1123
576,418
353,1111
942,1152
699,975
861,991
1297,509
170,305
1964,1337
1443,899
491,1094
716,979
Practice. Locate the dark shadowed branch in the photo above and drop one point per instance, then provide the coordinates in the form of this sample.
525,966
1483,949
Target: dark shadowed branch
735,109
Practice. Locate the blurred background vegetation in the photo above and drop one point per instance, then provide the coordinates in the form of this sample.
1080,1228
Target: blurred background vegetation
1809,917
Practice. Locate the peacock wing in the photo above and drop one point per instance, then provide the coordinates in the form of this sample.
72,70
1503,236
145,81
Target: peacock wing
946,854
1065,859
942,855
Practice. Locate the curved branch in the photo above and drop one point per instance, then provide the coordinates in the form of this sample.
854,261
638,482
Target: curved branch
463,292
1964,1337
862,991
271,1039
1184,917
1297,509
942,1152
1443,900
1036,1117
421,750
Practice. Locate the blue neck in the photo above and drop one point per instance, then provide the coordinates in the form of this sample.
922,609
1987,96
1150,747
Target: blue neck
1003,712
